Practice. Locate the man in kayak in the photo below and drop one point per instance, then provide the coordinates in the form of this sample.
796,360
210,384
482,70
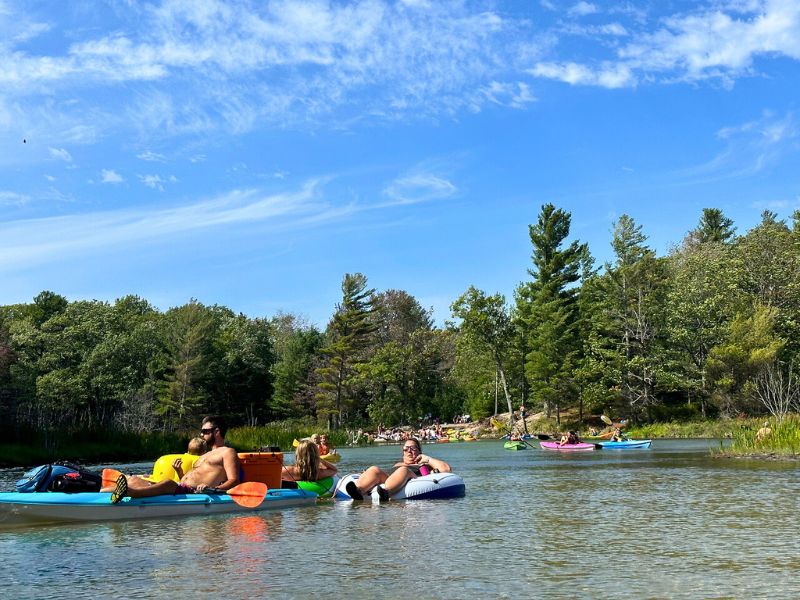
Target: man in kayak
218,468
414,464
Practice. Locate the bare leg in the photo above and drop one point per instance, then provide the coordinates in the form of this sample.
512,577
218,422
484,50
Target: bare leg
134,482
167,486
370,478
398,479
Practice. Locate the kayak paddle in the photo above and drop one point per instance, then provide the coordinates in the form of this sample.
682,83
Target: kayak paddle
606,420
249,494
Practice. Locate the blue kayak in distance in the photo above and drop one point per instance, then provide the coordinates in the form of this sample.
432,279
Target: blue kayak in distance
626,445
19,509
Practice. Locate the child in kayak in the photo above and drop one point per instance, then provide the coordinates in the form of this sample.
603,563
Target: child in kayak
324,445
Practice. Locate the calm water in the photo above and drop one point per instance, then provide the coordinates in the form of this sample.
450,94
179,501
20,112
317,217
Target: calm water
670,522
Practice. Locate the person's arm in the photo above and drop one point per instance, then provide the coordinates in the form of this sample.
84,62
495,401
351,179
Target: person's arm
177,464
434,463
326,469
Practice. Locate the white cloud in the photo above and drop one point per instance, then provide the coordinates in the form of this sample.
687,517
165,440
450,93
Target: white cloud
581,9
49,177
720,41
28,242
151,156
516,95
13,198
110,176
751,147
713,43
153,181
608,75
61,154
419,187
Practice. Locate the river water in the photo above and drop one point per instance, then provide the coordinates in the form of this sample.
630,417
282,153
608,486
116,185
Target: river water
669,522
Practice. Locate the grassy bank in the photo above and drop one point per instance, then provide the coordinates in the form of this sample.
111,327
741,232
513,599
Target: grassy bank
783,441
109,447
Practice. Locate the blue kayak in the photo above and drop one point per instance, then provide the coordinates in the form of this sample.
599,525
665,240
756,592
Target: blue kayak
20,509
626,445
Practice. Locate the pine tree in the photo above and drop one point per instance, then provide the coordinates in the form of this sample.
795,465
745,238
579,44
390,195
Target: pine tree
547,308
349,333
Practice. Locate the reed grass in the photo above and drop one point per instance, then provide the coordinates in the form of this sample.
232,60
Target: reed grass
280,434
783,441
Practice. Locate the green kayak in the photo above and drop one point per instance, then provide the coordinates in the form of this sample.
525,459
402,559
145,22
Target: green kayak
515,445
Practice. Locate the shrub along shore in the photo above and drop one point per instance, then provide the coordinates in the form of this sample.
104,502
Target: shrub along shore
98,447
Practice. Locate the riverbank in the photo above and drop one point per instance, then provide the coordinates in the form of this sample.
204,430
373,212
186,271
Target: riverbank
107,446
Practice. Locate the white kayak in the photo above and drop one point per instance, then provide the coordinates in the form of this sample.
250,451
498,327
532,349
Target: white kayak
20,509
435,486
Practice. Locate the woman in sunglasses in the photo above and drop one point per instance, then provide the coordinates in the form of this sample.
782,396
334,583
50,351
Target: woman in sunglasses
413,465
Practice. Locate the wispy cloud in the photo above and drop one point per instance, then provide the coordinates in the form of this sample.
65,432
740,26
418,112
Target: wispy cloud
13,198
60,154
24,243
581,9
110,176
153,181
720,41
419,187
752,147
151,156
607,74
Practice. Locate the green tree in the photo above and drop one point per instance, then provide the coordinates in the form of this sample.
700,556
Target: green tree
486,324
750,346
188,336
547,308
714,226
348,334
296,345
700,301
626,339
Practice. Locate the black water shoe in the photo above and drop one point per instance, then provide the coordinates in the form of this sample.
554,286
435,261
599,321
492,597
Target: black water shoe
353,491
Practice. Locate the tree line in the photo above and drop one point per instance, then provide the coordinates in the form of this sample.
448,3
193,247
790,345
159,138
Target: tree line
709,329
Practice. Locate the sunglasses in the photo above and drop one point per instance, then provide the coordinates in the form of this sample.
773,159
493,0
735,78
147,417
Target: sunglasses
410,449
204,431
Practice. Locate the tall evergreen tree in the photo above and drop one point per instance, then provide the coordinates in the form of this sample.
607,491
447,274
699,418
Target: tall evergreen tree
547,308
296,345
632,288
348,334
188,335
714,226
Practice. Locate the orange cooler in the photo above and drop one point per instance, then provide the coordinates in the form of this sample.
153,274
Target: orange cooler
262,466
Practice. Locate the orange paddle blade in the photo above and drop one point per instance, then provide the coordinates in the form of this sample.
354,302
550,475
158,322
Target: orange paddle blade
250,493
110,476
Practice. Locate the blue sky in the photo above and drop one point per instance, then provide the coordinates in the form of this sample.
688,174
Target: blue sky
249,154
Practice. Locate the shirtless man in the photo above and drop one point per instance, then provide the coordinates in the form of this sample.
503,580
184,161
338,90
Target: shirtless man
218,468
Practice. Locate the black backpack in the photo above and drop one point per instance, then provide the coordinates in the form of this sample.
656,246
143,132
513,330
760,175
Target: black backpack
60,476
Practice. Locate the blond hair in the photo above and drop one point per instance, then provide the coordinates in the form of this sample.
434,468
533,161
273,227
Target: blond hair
306,460
197,446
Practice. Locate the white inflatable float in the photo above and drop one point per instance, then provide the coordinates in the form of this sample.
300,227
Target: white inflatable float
436,486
